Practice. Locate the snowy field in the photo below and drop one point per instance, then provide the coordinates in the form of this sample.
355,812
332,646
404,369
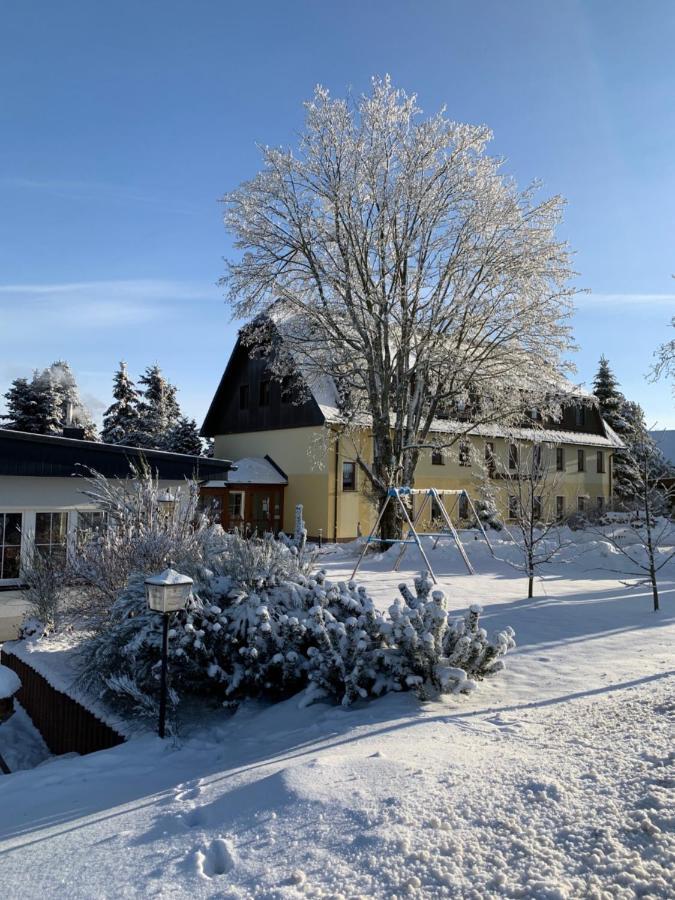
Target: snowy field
553,780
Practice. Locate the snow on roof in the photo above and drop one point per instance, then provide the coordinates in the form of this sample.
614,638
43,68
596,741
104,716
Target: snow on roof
255,470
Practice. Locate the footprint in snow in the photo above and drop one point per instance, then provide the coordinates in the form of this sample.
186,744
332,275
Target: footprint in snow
184,793
217,859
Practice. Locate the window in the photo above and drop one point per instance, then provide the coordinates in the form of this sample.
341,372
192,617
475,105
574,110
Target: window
464,454
50,534
560,459
235,506
536,508
211,505
581,461
513,507
601,462
264,393
348,476
536,459
463,506
600,504
490,458
89,524
10,545
560,508
580,416
437,458
581,505
287,389
513,456
243,396
436,511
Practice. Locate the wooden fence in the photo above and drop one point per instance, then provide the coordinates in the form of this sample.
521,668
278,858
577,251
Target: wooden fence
65,725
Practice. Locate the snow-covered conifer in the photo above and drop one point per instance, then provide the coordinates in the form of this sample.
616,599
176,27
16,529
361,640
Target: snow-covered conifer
120,420
184,438
158,409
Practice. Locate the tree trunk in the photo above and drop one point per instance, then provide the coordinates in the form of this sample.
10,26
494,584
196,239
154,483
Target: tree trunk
530,587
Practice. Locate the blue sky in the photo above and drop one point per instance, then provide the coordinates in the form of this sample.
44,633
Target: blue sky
121,124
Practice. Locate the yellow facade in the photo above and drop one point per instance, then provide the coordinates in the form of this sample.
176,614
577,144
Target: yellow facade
313,457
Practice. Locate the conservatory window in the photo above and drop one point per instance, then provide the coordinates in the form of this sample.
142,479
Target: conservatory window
50,534
89,524
10,545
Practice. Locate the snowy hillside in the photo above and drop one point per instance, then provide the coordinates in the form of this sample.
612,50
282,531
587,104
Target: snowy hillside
553,780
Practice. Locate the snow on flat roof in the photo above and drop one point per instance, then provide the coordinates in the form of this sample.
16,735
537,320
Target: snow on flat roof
255,470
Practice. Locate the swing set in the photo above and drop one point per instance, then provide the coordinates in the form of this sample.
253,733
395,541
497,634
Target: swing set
412,535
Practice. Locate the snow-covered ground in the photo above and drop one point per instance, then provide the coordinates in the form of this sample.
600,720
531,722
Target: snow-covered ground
553,780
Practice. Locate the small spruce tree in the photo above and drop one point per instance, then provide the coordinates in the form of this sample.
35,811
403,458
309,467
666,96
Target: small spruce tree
184,438
121,419
158,409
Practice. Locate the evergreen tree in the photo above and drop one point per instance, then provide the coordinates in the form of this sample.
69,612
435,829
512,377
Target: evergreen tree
158,410
612,401
184,438
627,419
121,419
42,405
59,379
22,409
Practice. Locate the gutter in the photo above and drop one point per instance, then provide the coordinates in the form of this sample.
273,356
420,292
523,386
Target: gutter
337,462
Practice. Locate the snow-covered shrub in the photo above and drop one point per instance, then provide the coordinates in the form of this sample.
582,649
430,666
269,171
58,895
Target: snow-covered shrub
45,579
284,634
140,537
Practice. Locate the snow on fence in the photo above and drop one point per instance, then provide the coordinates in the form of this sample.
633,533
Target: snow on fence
65,725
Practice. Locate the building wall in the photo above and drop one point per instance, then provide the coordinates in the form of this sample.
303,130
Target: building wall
303,454
308,456
29,495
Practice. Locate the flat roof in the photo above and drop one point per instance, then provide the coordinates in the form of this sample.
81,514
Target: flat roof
53,456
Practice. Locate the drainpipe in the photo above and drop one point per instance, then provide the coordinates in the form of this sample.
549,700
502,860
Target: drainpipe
337,463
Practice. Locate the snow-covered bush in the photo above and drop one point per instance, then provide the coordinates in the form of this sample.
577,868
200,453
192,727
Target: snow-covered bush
140,537
284,633
45,579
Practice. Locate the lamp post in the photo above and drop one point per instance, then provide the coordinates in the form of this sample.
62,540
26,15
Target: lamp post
167,504
166,593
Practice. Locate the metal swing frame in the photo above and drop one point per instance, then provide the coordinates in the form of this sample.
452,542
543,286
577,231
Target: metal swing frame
413,536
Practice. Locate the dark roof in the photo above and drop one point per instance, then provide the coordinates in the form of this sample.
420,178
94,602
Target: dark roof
225,416
22,453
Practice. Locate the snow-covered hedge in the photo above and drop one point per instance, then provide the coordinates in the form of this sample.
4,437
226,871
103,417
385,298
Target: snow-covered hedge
261,627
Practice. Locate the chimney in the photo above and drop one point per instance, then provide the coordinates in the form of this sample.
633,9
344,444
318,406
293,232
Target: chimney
71,429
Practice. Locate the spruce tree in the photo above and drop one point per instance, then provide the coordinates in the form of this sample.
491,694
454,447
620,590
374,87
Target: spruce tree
158,410
612,401
627,419
21,412
184,438
60,379
121,419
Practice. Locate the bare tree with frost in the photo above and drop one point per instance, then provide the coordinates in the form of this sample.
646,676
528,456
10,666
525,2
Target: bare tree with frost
399,265
531,485
647,539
